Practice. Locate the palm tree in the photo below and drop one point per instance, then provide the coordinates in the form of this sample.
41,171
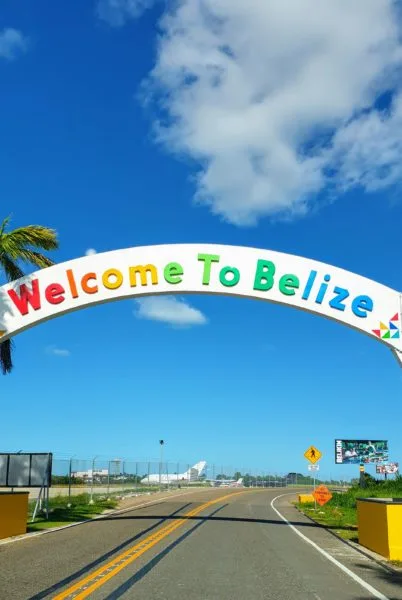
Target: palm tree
17,247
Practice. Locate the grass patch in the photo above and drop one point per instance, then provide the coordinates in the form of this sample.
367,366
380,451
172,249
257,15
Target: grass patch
61,514
396,563
342,521
80,510
340,513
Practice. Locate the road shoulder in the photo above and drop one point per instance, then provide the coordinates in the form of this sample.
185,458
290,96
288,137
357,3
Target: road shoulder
361,549
126,504
362,563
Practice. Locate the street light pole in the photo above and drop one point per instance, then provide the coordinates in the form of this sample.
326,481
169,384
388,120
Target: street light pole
161,443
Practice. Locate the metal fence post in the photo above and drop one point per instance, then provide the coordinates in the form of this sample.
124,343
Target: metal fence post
69,479
91,500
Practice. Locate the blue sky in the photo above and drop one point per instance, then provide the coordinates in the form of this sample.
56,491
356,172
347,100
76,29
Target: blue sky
117,131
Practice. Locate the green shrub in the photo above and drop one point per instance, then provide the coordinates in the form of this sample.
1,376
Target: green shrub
375,489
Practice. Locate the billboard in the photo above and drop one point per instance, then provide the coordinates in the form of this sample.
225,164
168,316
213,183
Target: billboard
360,451
390,469
25,469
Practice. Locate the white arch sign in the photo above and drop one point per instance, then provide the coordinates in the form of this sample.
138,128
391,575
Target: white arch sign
306,284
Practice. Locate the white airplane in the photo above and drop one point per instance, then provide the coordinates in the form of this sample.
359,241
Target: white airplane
226,482
190,476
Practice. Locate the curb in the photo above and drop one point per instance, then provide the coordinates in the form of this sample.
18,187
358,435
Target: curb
367,553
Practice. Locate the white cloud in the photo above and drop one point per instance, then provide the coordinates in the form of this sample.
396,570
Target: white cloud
274,101
90,252
368,151
58,351
117,12
12,43
169,309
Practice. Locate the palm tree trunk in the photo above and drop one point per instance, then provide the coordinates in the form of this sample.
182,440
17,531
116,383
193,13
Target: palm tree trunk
6,363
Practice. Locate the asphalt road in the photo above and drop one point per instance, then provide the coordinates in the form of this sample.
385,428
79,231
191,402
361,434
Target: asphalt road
216,544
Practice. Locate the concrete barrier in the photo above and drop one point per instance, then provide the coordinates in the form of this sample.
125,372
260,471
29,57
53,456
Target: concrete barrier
380,526
13,513
306,498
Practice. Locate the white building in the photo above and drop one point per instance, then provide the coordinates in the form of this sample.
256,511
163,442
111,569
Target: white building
90,473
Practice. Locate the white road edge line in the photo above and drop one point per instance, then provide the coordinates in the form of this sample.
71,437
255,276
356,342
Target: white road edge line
28,536
369,588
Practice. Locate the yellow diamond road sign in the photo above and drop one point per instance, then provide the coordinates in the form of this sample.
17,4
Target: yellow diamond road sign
313,454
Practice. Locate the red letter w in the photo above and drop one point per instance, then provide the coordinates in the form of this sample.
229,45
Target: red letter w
26,297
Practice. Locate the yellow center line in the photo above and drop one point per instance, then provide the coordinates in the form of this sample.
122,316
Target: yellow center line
83,588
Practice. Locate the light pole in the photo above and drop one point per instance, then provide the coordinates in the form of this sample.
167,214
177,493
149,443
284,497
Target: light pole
161,443
91,500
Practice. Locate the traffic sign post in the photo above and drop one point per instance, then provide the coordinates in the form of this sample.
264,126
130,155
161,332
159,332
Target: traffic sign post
313,455
322,495
314,469
362,478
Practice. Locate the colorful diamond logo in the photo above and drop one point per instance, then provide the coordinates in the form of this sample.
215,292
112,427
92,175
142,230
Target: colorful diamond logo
390,331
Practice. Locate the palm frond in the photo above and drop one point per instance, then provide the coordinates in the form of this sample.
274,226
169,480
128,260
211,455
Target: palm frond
6,361
17,246
36,236
10,267
4,224
35,258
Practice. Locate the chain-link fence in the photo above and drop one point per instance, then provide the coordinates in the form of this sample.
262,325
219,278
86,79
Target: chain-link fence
119,476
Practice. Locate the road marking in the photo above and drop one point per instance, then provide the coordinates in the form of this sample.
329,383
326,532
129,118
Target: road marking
369,588
83,588
28,536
